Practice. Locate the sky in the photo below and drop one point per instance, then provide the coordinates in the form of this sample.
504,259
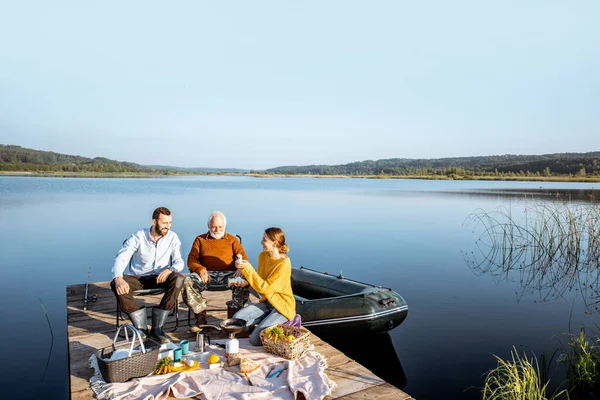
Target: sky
260,84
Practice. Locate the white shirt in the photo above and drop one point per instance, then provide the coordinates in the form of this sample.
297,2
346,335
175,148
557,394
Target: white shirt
148,257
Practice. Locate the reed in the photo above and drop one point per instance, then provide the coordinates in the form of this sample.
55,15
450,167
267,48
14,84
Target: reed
553,247
519,378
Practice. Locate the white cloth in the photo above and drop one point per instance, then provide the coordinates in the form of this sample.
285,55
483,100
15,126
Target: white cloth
306,375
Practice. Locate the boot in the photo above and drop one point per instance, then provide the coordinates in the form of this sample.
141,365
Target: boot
200,320
240,296
158,321
138,320
232,308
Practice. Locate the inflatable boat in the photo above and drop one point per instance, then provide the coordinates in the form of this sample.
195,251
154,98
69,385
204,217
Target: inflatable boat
328,302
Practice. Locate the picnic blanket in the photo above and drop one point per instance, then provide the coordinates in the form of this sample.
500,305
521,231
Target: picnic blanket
305,375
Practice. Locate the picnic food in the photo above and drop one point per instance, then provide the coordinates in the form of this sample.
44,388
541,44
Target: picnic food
276,333
163,366
235,281
233,359
286,341
247,366
214,359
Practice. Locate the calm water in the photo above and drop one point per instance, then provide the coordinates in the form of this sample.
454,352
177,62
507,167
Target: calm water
405,234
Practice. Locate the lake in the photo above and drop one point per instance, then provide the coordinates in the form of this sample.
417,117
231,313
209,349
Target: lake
409,235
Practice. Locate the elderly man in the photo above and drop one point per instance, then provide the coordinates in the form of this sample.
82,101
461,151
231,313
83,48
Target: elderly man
154,258
212,263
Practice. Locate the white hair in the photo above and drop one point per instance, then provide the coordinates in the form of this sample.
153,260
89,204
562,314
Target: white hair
215,214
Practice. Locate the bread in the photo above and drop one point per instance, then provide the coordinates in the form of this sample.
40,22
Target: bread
233,359
248,366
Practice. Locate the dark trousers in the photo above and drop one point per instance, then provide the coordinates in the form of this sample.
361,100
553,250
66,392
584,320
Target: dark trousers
172,285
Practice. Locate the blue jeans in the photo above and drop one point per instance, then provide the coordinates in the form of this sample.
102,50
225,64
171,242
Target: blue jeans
263,314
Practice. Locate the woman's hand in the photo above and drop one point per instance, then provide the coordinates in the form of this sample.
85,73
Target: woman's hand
241,283
237,280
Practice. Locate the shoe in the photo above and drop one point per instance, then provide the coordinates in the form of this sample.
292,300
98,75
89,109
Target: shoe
200,320
158,321
138,320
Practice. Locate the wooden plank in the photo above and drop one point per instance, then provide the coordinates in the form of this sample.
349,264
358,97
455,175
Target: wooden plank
385,391
94,328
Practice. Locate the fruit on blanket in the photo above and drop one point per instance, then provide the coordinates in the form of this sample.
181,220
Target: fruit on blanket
162,366
214,359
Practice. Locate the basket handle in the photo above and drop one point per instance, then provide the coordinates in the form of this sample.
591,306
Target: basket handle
136,334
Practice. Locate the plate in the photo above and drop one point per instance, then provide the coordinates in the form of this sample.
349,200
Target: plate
187,368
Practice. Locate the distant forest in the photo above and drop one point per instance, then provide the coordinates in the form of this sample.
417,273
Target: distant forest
577,165
17,158
547,165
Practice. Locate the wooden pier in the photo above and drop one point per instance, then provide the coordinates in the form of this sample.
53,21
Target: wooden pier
94,328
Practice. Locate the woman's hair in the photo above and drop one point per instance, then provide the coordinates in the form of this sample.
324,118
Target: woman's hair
277,236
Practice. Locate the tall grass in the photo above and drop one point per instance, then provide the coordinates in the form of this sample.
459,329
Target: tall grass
582,361
552,248
519,378
524,378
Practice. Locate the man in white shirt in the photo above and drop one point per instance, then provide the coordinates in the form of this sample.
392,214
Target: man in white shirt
154,259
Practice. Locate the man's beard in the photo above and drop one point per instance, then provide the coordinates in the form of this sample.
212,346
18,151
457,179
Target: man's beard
216,235
159,232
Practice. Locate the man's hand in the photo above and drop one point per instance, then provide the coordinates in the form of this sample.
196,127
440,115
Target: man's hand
163,276
121,285
204,276
238,273
242,264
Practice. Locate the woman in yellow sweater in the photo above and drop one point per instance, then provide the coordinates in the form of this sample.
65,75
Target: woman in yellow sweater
273,282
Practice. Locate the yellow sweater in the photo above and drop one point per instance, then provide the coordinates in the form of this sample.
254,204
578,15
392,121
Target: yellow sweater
273,282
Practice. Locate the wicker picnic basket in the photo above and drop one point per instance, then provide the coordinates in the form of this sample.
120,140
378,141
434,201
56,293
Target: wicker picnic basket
289,350
135,365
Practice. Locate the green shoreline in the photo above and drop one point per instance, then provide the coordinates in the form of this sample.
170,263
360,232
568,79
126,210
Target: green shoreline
565,178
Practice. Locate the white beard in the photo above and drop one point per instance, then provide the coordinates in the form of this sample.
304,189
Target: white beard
216,235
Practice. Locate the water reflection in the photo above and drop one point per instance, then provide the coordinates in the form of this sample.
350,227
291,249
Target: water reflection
375,352
550,194
552,248
589,195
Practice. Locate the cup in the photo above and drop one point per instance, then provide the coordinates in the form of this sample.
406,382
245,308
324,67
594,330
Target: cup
177,354
185,347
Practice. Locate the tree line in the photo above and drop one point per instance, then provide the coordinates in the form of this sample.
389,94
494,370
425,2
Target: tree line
581,165
17,158
547,165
